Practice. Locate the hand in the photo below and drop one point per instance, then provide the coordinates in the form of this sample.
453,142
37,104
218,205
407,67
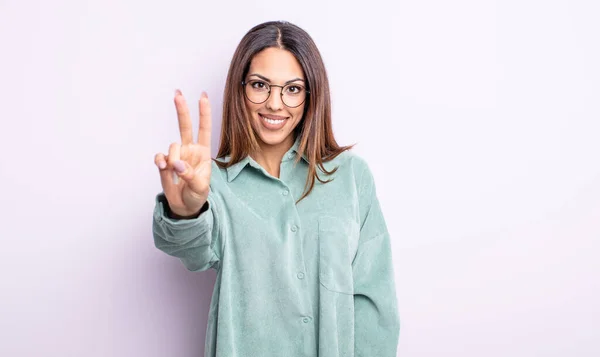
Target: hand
190,161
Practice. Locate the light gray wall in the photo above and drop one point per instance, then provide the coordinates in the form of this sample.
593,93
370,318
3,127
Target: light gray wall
480,121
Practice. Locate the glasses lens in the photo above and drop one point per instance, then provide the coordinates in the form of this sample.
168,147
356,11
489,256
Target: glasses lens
257,91
293,95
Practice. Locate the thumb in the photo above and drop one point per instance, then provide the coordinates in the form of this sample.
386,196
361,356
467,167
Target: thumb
183,170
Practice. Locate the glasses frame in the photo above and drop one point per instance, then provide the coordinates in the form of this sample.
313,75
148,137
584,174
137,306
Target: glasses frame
280,93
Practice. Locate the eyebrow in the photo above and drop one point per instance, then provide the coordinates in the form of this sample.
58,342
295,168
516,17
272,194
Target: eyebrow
268,80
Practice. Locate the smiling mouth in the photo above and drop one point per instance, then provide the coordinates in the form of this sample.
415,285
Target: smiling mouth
272,119
272,122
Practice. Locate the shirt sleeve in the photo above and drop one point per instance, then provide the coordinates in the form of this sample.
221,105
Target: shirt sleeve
193,241
376,321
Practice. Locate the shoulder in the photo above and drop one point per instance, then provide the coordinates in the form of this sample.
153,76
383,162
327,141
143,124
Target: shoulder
356,175
351,163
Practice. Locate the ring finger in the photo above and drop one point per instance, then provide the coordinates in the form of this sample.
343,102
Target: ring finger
174,154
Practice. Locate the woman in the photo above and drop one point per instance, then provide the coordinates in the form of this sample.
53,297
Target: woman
288,218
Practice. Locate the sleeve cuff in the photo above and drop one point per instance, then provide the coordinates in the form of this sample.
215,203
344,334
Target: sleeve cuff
160,215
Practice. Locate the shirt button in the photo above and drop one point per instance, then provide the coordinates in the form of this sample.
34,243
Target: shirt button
294,228
306,320
300,275
285,192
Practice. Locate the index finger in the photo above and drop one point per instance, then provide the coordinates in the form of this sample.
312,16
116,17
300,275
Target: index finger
183,116
204,132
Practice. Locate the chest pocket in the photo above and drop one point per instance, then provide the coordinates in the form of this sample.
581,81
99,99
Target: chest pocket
337,237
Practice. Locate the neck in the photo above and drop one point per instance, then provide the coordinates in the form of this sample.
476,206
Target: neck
270,156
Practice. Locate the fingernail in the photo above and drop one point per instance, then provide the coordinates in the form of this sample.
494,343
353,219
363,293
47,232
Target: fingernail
179,166
204,94
162,165
177,92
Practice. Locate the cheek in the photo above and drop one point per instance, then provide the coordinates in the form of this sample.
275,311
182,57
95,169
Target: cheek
251,108
297,113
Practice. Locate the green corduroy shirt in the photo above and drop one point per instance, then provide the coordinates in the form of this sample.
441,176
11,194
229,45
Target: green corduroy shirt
308,279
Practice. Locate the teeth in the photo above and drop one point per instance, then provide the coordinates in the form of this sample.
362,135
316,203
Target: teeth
273,121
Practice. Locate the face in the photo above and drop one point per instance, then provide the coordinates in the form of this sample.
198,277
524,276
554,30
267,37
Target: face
273,121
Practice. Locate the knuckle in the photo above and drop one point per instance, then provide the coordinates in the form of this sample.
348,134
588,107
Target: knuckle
170,159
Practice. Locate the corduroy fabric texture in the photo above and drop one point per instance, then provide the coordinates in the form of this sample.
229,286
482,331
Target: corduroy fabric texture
308,279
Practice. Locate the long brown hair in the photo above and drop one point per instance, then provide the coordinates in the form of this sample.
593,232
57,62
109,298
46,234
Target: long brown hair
317,141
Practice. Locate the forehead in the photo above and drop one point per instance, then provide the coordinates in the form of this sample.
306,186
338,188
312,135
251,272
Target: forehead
276,64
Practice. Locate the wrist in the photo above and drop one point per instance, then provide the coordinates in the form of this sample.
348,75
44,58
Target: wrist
174,215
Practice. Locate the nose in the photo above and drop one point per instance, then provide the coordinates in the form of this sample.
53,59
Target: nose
275,102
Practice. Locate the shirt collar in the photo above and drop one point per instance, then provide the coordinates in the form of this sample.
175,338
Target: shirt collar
291,153
234,170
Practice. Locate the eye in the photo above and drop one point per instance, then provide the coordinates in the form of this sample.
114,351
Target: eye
258,85
294,89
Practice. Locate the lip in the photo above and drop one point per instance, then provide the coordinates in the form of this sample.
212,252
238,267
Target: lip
270,126
271,116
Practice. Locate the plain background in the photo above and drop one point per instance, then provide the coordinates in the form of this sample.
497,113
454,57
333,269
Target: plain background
480,120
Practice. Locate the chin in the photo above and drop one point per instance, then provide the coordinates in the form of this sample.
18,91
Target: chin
271,137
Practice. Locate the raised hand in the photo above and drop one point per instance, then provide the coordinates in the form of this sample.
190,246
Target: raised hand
189,161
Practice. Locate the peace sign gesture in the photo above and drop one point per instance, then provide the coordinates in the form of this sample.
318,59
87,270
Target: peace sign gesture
190,161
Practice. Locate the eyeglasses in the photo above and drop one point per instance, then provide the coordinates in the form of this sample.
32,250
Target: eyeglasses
292,95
